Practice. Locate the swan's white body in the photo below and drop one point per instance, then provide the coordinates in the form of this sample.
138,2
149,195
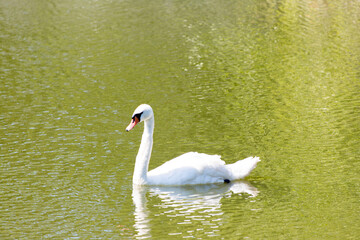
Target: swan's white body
189,168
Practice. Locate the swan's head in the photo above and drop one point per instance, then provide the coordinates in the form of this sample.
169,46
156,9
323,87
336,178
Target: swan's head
141,113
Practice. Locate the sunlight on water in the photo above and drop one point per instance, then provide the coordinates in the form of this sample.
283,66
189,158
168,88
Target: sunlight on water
274,79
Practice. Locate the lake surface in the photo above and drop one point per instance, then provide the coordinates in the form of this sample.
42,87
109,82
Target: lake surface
274,79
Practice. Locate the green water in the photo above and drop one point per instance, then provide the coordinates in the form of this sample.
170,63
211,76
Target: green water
275,79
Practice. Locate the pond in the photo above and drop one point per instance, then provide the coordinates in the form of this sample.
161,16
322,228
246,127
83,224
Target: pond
275,79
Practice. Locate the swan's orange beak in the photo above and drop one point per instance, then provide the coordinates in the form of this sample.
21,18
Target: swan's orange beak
132,124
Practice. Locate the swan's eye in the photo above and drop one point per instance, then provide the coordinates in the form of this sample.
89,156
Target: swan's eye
138,116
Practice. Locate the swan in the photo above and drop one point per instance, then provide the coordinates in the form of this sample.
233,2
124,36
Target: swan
188,168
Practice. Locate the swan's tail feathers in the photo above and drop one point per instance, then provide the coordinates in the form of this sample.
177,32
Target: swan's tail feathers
242,168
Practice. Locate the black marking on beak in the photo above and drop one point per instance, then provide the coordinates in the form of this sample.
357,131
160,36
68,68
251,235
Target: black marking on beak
138,116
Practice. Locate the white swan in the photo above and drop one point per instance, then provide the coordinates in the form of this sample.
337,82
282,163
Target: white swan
189,168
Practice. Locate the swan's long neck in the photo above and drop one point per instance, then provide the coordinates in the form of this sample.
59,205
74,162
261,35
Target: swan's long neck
144,154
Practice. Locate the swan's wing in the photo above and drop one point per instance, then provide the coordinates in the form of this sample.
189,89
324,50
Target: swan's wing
190,168
193,159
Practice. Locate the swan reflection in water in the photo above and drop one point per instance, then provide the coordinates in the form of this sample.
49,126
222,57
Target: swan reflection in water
185,200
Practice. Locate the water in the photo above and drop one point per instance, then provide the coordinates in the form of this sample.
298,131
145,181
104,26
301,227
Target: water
275,79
